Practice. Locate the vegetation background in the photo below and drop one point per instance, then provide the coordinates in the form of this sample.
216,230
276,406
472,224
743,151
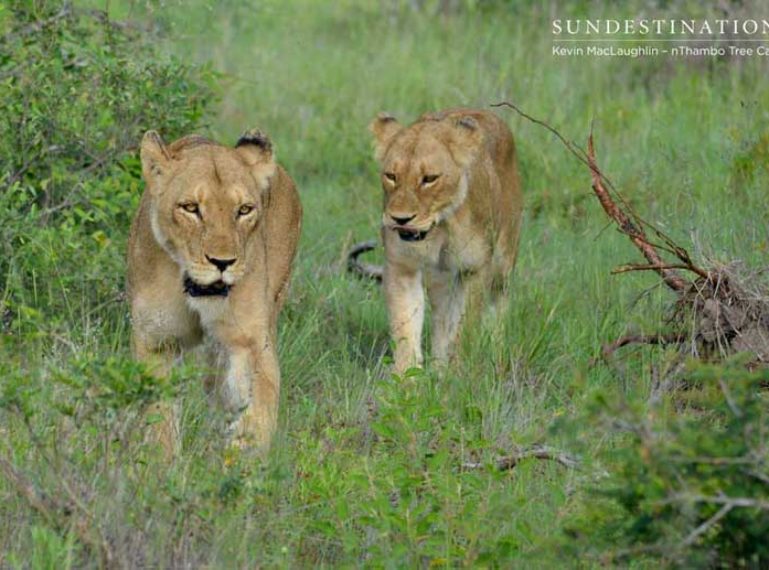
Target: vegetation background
370,469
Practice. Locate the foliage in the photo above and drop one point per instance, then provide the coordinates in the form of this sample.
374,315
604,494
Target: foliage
688,478
78,90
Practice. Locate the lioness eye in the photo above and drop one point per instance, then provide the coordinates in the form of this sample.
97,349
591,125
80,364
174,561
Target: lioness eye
245,209
390,176
430,178
191,208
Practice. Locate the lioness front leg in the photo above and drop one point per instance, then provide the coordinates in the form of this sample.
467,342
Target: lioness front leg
406,308
447,301
250,394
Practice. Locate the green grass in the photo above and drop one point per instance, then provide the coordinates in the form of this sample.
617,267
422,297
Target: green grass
366,469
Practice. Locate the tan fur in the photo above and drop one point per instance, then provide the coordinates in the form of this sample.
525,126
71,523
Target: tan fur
167,242
471,213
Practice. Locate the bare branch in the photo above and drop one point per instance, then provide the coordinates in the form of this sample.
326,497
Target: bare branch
629,223
573,148
626,226
703,528
538,452
659,339
647,267
578,152
742,502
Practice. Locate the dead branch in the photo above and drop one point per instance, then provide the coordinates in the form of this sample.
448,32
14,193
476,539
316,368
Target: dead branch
659,339
705,526
582,156
361,269
727,314
741,502
628,223
573,148
647,267
634,232
537,452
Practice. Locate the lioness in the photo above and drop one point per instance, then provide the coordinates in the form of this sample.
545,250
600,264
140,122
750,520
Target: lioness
210,255
452,214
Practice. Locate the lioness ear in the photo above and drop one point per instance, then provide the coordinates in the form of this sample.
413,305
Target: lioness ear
255,147
467,141
154,156
384,128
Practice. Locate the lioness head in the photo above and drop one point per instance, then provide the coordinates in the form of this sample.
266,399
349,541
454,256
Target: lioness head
206,201
424,170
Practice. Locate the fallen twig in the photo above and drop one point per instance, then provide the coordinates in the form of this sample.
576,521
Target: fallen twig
659,339
538,452
647,267
670,246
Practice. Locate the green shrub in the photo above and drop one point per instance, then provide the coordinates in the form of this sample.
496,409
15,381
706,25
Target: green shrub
688,483
78,90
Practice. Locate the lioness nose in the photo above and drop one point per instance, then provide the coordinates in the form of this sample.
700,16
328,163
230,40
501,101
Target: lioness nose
401,221
221,264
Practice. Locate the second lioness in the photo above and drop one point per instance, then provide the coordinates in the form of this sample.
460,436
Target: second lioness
452,213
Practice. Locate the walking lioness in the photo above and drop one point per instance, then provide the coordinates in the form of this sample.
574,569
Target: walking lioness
210,255
452,213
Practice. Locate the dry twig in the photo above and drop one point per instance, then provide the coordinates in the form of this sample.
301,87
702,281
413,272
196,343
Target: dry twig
628,221
703,528
636,234
608,350
537,452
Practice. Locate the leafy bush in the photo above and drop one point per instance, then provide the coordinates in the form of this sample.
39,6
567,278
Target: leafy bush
78,90
689,481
